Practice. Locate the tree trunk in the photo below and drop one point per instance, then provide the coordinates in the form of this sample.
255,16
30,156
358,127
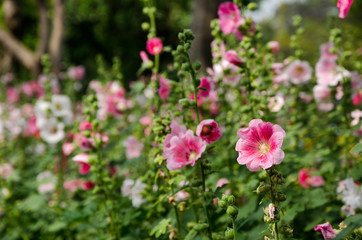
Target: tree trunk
56,38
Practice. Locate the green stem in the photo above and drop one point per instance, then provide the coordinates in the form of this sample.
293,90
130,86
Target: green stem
193,76
275,225
203,196
175,207
233,220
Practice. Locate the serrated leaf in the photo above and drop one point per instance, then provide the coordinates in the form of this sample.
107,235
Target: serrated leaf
357,148
160,228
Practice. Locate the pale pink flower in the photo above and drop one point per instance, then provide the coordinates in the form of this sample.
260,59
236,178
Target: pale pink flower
76,73
181,195
182,147
221,182
229,16
144,56
339,92
12,95
271,209
8,78
205,84
321,92
299,72
325,107
232,57
5,170
145,120
260,145
327,231
165,87
46,187
154,46
344,6
273,46
306,180
305,97
67,148
83,160
326,72
73,185
276,103
208,130
325,51
133,147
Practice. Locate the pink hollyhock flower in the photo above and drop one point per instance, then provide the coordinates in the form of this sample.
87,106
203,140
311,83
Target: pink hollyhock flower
232,57
305,97
356,115
206,85
273,46
46,187
325,51
344,6
271,209
76,73
165,87
321,92
208,130
356,99
154,46
221,182
299,72
229,16
83,160
181,195
276,103
12,95
326,72
145,120
327,231
182,147
73,185
88,185
133,147
85,125
144,56
31,128
67,148
325,107
306,180
260,145
5,170
8,78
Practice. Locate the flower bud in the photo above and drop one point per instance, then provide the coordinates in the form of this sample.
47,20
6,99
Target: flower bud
222,204
252,6
201,226
229,233
231,200
232,211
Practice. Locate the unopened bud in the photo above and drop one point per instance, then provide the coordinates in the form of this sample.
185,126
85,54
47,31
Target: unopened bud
222,204
232,211
231,200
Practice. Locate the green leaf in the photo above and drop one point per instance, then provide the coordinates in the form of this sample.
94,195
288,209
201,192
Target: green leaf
56,226
33,203
357,148
191,235
160,228
352,223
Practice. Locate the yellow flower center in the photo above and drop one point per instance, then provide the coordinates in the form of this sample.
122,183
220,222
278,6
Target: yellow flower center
192,156
264,148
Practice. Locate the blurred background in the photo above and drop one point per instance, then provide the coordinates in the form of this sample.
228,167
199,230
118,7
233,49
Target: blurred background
78,32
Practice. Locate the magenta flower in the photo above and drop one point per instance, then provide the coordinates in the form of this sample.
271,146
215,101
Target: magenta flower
85,125
344,6
232,57
182,147
306,180
83,160
133,147
165,87
260,145
299,72
327,231
208,130
144,56
154,46
206,85
229,16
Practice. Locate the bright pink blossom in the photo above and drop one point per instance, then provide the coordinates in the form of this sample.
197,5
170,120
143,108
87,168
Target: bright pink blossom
85,125
205,84
133,147
299,72
208,130
154,46
165,87
306,180
327,231
182,147
12,95
83,160
232,57
229,16
273,46
144,56
31,127
344,6
260,145
88,185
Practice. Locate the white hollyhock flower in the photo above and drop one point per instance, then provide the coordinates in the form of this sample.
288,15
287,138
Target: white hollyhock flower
61,105
42,111
52,131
